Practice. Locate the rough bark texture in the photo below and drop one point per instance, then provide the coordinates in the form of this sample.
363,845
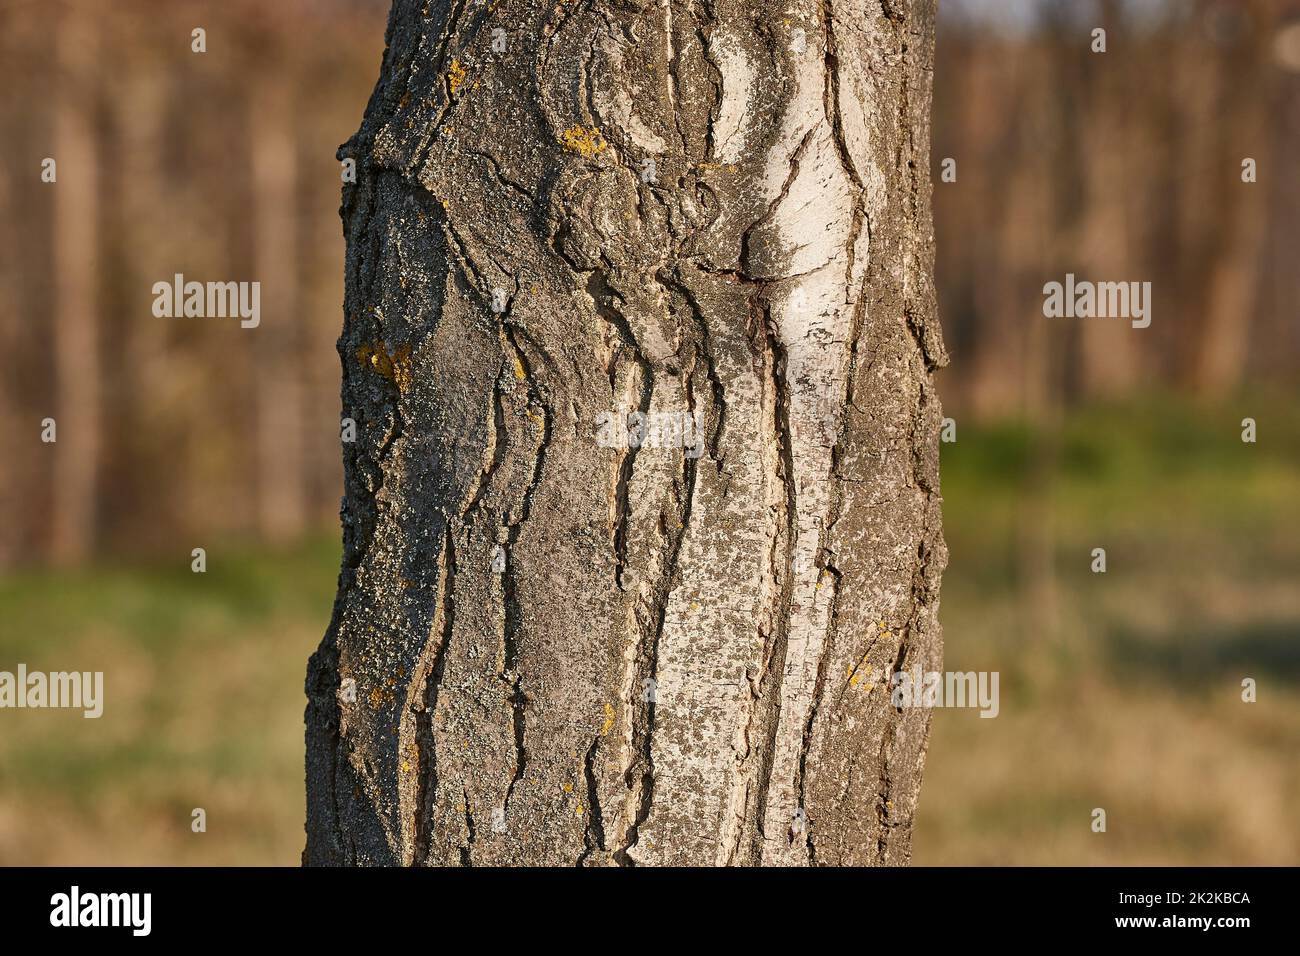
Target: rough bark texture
674,665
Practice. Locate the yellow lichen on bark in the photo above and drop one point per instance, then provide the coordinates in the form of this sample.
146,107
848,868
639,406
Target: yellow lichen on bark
456,75
583,141
394,366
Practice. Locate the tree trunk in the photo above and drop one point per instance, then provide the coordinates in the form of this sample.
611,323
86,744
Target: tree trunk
545,650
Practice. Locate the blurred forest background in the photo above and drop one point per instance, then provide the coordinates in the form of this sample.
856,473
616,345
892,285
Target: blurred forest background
1119,690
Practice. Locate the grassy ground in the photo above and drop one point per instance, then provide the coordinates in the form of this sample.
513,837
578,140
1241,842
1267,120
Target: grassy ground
1122,690
204,704
1118,690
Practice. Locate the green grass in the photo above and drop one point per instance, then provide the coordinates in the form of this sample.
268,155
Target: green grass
1119,690
1122,690
203,708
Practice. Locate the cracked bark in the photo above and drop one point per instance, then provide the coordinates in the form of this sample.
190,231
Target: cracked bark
546,651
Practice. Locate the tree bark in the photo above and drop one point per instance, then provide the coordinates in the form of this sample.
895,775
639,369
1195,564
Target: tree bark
673,659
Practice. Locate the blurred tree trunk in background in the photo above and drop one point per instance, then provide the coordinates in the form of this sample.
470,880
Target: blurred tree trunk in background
15,425
548,651
1108,357
75,290
12,425
281,485
1248,122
